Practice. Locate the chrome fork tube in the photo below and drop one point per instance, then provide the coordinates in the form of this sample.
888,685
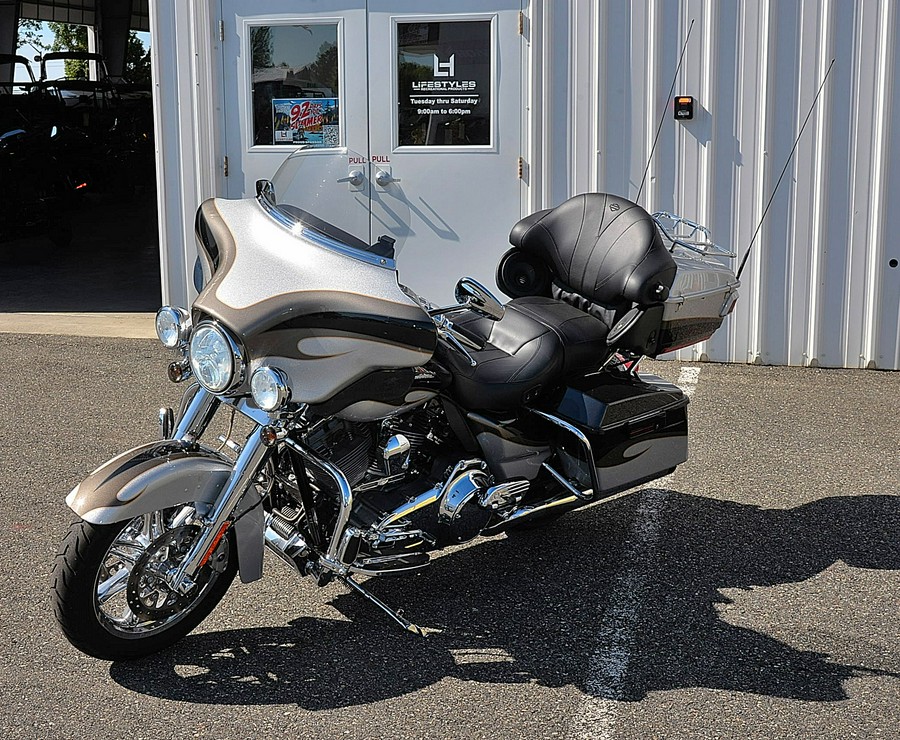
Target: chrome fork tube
196,417
244,472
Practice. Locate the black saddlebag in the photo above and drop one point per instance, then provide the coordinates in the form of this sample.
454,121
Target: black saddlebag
636,428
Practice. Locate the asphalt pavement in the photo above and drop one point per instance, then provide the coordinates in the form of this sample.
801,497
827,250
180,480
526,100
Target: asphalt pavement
754,594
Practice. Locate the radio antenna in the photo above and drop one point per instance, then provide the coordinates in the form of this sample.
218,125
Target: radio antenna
781,176
665,109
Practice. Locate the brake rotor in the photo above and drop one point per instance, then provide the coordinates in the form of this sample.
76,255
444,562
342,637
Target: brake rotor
149,594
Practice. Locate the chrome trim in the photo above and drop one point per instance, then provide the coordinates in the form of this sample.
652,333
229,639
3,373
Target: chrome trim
380,483
243,473
728,304
281,386
251,411
182,321
461,487
363,571
419,502
286,549
345,504
585,443
680,299
397,444
583,495
474,296
527,511
166,420
239,362
199,411
350,534
298,228
706,247
503,494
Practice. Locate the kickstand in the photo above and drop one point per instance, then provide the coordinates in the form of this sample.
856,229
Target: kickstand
403,622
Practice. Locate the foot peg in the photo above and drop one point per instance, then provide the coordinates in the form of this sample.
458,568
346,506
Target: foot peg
402,621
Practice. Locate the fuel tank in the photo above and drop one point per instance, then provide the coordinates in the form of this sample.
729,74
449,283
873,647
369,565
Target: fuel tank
330,315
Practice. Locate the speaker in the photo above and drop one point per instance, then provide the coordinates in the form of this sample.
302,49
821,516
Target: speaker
520,274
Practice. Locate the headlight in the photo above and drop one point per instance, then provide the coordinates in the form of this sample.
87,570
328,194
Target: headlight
215,358
269,388
173,326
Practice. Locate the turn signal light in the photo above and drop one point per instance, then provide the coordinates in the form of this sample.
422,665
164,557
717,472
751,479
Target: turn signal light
178,371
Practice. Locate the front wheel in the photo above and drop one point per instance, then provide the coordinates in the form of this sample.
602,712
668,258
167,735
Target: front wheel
109,591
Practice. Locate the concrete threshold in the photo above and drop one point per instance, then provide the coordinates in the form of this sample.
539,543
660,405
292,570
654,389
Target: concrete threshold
124,325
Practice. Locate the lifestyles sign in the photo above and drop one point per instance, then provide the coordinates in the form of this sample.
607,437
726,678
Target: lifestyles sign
444,95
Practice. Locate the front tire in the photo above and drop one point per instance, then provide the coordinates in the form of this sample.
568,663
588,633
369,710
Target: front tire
107,590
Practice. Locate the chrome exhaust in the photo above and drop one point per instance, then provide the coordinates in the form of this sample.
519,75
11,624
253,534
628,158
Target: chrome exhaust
286,544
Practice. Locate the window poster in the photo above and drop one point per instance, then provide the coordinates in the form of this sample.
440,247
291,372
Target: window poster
444,83
294,84
308,121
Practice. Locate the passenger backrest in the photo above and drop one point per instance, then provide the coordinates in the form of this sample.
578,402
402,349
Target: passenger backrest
603,247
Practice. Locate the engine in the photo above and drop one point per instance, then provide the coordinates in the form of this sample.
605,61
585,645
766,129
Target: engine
412,492
374,455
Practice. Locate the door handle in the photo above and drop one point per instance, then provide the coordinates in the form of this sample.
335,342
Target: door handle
383,178
354,177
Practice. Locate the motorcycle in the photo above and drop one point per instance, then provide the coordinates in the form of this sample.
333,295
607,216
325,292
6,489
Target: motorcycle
379,428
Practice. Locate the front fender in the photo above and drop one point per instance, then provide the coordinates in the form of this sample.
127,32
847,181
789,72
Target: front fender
162,474
146,478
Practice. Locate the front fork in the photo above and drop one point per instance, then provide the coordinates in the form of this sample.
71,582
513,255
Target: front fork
198,412
193,422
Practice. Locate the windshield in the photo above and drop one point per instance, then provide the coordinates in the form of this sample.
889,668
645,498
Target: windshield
333,194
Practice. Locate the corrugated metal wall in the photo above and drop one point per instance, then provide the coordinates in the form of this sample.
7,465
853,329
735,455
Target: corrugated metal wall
822,286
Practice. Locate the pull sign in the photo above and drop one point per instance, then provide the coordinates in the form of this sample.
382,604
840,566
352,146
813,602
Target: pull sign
684,108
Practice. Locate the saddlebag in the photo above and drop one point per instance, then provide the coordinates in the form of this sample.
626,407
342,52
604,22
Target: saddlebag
636,428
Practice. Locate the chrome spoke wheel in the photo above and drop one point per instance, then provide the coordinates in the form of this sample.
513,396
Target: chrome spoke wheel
110,582
132,597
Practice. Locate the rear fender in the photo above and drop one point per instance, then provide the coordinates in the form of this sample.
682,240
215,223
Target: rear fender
166,473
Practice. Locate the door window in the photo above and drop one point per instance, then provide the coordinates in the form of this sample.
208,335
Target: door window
444,83
295,85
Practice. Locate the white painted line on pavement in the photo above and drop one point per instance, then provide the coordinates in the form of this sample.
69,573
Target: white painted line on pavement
608,662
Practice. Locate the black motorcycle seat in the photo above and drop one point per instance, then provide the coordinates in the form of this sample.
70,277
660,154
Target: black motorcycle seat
583,336
538,341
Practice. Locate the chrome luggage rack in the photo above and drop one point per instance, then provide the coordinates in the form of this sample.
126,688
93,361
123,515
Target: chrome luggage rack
681,232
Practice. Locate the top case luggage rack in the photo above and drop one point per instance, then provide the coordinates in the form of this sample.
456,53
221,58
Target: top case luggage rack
681,232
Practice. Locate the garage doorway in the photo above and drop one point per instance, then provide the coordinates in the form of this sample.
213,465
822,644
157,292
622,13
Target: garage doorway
79,233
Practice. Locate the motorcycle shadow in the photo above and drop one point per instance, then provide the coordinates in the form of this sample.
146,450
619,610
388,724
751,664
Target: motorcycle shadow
535,607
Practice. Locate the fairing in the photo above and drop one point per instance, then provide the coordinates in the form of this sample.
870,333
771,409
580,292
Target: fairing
295,298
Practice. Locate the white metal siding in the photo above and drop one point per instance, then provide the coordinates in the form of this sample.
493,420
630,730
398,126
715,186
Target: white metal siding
818,288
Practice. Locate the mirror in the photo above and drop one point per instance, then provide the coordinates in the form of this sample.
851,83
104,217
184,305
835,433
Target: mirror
265,189
473,295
